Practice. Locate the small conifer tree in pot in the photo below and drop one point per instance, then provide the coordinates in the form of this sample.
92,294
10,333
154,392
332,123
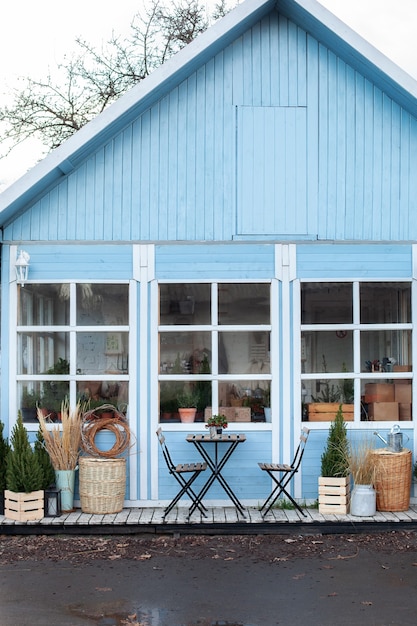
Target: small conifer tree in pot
334,482
4,450
23,471
23,498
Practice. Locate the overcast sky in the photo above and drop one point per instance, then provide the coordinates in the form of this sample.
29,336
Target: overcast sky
36,34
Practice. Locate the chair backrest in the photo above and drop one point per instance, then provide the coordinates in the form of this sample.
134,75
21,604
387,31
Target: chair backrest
164,448
301,447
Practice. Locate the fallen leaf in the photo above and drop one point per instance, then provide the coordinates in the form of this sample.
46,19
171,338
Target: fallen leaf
366,603
145,556
104,589
112,557
330,595
290,540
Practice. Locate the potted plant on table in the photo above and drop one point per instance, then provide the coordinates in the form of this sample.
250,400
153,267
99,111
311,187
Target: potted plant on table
216,423
334,482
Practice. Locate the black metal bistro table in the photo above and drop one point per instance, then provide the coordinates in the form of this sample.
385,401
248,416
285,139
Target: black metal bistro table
216,462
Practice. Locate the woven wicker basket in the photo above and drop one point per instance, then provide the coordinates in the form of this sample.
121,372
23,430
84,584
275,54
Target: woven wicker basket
102,485
393,482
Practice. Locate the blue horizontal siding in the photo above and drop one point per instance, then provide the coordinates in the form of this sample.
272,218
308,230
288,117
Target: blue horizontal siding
354,261
80,262
244,261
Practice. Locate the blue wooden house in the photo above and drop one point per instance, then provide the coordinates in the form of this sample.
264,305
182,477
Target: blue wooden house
241,227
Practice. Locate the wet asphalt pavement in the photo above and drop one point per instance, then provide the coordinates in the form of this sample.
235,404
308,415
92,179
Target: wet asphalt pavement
364,589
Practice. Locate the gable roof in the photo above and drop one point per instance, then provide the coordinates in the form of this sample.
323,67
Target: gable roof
308,14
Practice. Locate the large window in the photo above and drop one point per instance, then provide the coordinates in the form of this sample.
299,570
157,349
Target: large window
72,342
356,350
214,345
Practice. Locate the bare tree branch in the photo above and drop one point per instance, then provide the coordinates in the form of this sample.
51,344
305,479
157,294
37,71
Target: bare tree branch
52,110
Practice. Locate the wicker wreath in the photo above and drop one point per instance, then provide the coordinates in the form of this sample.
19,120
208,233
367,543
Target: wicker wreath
93,423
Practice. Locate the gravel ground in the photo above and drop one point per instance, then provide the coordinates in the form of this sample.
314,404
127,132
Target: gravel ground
261,548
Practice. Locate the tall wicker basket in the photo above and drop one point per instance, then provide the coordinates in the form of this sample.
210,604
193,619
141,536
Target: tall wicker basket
102,485
393,482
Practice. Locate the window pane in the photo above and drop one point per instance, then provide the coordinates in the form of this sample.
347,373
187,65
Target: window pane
247,399
385,399
43,305
102,304
97,393
382,349
185,353
184,304
37,352
29,399
102,353
245,352
244,304
385,303
326,303
327,351
170,392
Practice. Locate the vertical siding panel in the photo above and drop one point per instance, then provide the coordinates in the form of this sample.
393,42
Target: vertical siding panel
365,229
395,217
200,155
355,218
215,231
140,182
192,210
116,196
350,182
405,179
159,186
228,223
257,67
86,231
301,61
209,122
126,186
313,125
268,61
386,167
99,194
283,60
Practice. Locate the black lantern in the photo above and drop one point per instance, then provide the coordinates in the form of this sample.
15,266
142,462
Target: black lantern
52,502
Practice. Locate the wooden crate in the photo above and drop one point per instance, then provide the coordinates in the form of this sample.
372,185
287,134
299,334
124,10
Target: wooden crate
232,413
383,411
24,507
326,411
334,495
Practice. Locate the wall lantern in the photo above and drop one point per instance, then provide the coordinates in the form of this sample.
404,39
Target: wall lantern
52,502
22,267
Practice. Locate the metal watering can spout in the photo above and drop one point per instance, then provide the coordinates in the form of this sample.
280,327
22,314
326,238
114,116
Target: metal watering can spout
381,438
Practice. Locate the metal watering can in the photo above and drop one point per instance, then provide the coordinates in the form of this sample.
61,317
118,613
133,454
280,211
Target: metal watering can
395,439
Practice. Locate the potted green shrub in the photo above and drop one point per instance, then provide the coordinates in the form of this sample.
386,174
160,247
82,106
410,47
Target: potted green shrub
334,482
23,497
4,450
187,404
29,405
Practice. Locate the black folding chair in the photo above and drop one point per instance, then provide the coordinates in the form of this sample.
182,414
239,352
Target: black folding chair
282,474
185,474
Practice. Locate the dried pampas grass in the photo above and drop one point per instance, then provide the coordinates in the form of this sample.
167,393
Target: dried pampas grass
62,441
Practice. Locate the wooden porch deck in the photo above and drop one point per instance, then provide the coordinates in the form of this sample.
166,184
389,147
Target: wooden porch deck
220,520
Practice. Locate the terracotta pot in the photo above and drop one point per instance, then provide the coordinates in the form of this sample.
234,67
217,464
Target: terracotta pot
187,415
